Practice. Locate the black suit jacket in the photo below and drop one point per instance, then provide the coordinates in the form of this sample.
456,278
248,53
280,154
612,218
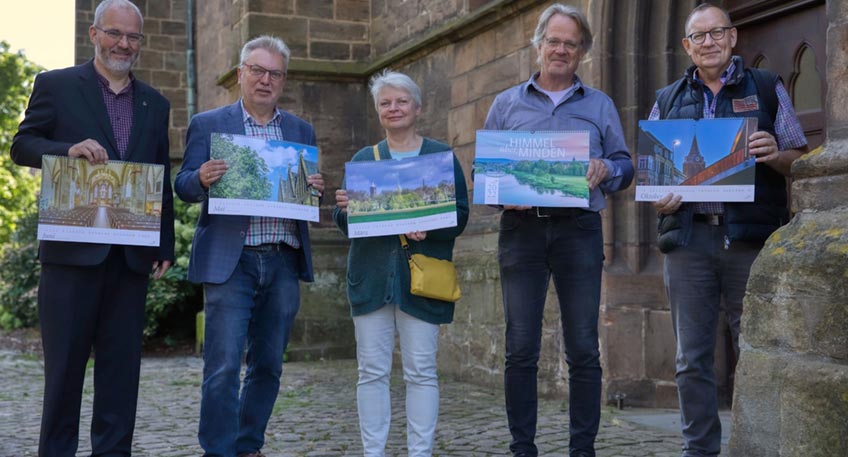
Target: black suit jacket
66,107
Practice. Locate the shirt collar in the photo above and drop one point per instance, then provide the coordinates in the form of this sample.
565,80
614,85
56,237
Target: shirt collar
576,83
247,118
725,75
105,83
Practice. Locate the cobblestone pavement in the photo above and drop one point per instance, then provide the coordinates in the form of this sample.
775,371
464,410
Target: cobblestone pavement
315,415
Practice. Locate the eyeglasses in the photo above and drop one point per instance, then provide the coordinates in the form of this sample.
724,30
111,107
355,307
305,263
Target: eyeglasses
716,34
258,72
132,38
569,46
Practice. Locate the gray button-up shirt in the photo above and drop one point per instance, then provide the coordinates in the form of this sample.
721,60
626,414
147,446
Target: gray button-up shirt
526,107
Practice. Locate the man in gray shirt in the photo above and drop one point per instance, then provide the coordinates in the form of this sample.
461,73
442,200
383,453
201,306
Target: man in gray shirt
535,243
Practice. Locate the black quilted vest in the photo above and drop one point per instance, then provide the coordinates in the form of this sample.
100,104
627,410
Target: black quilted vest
745,221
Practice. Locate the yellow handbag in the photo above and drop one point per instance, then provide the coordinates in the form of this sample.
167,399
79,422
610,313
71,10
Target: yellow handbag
429,277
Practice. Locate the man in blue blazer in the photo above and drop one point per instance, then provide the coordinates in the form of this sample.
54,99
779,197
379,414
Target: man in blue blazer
92,295
249,266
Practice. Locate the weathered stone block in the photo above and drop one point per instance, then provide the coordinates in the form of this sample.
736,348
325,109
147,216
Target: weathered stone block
159,42
329,50
160,9
665,395
464,57
461,124
292,30
622,350
509,38
150,59
637,392
756,413
271,6
660,346
628,290
493,78
361,52
315,8
793,300
459,91
354,10
837,70
163,79
814,409
337,31
173,28
175,61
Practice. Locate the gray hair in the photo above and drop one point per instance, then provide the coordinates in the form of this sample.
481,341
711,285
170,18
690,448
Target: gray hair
389,78
106,4
269,43
568,11
704,7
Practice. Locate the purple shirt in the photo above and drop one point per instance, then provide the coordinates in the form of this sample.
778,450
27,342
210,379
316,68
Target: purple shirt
119,107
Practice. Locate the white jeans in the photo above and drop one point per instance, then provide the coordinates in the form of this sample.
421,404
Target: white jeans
419,343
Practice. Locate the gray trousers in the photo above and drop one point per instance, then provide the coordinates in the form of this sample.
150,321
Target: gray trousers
697,277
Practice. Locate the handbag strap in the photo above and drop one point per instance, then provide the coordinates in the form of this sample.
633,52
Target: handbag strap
401,236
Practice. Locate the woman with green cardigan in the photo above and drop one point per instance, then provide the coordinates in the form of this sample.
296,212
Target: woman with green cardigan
378,286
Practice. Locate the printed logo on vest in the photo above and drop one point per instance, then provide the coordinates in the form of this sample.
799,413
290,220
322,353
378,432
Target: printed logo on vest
746,104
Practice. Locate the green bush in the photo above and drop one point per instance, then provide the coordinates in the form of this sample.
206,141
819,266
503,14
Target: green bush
172,295
19,272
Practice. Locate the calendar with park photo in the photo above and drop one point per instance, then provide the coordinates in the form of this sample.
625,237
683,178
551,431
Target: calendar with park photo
390,197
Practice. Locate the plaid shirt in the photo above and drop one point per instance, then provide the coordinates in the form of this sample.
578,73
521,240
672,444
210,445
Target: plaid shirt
263,229
120,109
788,131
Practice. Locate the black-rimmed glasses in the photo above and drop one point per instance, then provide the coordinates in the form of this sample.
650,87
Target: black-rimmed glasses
716,34
132,38
258,72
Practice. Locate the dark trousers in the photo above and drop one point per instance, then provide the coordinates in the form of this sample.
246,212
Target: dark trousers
531,249
80,308
254,308
701,278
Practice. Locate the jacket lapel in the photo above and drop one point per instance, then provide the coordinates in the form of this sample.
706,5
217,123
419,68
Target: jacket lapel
90,88
141,111
234,121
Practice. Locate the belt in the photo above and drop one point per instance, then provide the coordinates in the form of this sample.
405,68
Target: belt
709,219
269,247
553,212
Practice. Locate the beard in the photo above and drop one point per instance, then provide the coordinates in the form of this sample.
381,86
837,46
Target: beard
114,65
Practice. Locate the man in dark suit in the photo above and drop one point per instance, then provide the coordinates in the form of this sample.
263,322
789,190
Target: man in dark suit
249,266
93,295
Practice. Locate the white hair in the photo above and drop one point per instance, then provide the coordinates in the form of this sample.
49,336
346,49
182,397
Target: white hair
106,4
269,43
398,80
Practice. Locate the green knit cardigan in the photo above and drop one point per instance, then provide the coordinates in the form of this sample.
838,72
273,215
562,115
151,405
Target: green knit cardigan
377,269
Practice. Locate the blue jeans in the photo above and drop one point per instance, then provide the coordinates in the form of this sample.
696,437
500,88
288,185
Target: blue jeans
697,277
531,249
256,305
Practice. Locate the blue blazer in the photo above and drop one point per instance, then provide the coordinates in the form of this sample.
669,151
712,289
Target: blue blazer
66,107
219,239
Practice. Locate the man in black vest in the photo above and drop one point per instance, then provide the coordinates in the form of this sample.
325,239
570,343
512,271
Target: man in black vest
710,246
